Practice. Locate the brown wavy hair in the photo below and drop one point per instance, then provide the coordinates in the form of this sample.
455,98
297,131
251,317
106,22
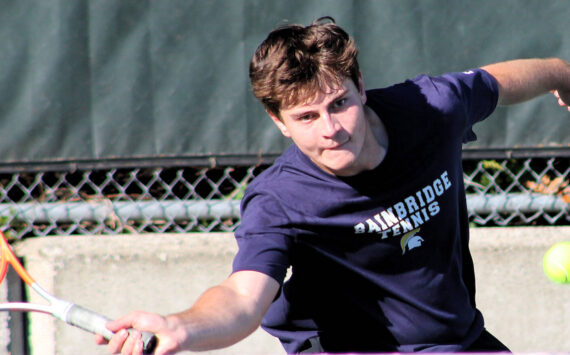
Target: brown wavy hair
294,63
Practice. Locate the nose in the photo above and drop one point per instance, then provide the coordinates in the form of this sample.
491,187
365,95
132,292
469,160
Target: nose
330,125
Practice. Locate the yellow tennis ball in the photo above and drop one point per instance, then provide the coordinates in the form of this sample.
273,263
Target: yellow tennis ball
556,263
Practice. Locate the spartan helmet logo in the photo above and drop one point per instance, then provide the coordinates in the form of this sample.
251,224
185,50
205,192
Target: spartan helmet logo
411,241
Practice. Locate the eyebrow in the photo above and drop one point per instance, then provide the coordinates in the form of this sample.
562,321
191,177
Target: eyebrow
341,92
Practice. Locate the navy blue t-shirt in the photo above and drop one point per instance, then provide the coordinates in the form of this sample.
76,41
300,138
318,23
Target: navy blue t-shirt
380,261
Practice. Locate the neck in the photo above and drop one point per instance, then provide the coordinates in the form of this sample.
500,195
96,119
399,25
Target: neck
378,137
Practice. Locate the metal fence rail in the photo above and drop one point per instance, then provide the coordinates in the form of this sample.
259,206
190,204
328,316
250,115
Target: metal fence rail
204,199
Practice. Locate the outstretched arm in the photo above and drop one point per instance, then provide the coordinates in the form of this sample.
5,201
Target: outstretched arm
222,316
524,79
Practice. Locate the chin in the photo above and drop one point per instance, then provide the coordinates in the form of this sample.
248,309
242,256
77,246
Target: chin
342,169
338,163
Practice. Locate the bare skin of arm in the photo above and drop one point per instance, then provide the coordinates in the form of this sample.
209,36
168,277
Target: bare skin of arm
523,79
222,316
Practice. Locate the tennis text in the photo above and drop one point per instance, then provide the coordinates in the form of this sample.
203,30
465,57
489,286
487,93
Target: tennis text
409,214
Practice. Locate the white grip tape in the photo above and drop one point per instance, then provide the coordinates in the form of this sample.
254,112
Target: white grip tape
88,320
95,323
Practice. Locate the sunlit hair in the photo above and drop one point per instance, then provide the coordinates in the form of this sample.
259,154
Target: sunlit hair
295,63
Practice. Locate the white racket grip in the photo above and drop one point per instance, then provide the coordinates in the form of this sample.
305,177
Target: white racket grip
95,323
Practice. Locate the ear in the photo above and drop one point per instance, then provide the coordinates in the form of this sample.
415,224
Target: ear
279,123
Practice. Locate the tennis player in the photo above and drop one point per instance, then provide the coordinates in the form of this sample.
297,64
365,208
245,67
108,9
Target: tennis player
367,208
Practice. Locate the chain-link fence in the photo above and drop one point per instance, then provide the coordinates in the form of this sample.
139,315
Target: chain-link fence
532,191
204,199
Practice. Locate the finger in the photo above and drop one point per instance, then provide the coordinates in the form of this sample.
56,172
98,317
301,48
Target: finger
127,321
562,101
99,340
138,349
117,341
129,344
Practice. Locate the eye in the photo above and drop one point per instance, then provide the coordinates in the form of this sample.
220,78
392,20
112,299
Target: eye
339,103
307,117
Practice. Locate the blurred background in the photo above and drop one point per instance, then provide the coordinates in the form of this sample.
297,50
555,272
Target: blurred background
137,116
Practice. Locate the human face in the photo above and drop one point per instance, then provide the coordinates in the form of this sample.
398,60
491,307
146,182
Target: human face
334,130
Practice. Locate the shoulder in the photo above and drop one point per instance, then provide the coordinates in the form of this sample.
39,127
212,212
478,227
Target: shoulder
291,170
292,185
461,85
470,93
271,189
437,90
278,174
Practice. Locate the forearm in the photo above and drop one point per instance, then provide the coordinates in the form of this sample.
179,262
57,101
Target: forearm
524,79
218,319
222,316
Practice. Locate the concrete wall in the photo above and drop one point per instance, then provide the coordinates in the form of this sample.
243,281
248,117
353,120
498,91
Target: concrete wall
522,307
114,275
166,273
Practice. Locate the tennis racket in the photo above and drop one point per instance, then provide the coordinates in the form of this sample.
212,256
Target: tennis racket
66,311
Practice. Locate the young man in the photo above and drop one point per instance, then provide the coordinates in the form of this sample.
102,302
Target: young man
367,207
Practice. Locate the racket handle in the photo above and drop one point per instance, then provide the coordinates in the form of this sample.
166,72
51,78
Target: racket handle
95,323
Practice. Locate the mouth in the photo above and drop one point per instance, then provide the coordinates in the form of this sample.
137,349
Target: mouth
339,146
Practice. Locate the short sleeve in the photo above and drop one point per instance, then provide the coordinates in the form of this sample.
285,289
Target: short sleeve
472,94
263,238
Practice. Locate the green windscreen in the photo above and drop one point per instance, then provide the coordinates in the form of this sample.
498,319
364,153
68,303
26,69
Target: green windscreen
140,79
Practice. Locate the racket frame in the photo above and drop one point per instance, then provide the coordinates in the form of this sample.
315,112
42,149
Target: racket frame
65,311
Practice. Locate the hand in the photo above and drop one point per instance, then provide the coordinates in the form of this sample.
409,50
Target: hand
563,98
127,343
